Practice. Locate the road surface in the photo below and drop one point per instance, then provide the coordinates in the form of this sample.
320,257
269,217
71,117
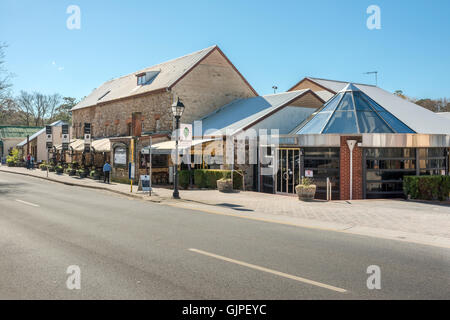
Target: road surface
132,249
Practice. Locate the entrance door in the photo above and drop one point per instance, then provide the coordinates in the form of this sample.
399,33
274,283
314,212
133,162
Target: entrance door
288,171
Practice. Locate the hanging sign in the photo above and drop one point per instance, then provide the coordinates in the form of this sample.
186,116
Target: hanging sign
87,137
65,137
185,135
48,137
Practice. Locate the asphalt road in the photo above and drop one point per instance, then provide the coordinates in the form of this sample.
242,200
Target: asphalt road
132,249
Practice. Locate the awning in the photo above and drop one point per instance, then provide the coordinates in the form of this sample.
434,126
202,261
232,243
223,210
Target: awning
166,147
77,145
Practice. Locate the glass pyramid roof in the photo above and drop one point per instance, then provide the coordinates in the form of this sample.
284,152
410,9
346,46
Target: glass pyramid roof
352,111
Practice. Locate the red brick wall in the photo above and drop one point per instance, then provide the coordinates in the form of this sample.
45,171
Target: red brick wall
345,170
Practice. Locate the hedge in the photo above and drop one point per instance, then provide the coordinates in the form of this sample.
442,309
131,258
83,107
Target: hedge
184,176
427,187
207,178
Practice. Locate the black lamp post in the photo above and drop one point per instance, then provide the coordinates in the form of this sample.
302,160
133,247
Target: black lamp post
177,109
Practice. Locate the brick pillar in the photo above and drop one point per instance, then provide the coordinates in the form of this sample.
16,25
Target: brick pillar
345,170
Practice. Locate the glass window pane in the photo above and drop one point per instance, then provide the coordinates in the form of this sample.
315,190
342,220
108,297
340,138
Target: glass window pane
331,105
370,122
395,124
361,104
346,103
342,122
373,104
316,124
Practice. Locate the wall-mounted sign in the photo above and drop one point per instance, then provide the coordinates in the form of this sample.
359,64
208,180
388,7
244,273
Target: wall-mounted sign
309,173
120,156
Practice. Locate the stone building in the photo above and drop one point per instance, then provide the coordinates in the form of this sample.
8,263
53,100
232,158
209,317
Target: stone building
204,80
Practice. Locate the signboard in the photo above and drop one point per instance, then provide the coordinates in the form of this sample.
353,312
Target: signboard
120,156
65,137
145,183
87,137
309,173
48,137
185,135
131,170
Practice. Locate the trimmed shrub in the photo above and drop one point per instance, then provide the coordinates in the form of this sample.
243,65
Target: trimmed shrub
207,178
184,177
427,187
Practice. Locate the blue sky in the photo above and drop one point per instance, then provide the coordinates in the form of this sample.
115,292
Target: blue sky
270,42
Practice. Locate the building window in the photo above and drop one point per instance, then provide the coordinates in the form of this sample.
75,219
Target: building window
141,80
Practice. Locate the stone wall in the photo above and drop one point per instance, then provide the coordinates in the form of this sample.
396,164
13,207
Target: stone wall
114,118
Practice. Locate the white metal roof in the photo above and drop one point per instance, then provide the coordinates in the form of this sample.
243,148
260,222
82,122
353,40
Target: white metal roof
164,75
57,123
241,113
444,114
414,116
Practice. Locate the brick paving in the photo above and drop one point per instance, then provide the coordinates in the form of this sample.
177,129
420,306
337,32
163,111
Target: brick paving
408,218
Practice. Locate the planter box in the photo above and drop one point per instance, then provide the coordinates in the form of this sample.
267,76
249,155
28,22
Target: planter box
72,172
306,193
225,185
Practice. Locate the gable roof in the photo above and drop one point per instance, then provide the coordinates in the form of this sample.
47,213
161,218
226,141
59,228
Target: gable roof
57,123
14,132
417,118
240,114
162,76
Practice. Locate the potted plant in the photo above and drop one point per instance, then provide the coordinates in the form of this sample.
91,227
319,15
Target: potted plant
43,166
306,190
51,168
225,185
81,173
59,169
71,171
94,174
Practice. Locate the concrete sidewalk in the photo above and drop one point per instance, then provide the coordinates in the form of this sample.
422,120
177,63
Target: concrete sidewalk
424,223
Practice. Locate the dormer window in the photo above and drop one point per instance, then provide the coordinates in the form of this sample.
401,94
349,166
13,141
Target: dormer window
141,79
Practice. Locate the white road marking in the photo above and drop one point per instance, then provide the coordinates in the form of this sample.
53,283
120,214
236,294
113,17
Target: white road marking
27,203
278,273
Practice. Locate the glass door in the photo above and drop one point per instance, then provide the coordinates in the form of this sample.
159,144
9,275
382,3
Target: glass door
288,171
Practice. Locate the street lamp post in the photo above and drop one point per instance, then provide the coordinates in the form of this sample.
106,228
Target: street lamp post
177,109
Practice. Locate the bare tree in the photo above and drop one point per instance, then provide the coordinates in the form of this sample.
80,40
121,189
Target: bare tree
37,107
5,77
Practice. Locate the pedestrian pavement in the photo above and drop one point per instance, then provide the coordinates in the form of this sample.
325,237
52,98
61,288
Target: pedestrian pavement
411,221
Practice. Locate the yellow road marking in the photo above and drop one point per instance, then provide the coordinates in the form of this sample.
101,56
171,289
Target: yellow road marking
278,273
